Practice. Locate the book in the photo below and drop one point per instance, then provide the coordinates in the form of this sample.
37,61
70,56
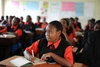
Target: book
21,61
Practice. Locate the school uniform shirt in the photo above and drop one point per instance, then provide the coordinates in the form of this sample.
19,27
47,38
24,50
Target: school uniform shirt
3,30
29,26
18,31
77,26
43,25
38,25
91,51
60,48
71,34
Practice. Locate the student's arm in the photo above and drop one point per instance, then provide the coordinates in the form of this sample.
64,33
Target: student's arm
28,50
66,61
19,32
67,38
3,30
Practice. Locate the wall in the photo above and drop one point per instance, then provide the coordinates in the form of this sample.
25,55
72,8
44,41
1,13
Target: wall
0,8
83,20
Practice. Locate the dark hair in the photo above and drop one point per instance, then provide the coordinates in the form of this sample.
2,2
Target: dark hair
93,20
39,17
67,22
18,20
77,18
21,17
57,24
72,19
97,22
29,16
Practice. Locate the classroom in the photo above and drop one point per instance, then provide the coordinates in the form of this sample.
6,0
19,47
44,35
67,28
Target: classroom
58,32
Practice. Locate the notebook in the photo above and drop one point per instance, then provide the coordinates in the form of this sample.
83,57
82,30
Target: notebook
21,61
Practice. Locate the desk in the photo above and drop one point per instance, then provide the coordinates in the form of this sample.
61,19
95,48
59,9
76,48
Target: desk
79,65
5,46
6,62
39,31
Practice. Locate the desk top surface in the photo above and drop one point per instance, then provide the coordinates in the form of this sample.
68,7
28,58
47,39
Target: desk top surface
6,62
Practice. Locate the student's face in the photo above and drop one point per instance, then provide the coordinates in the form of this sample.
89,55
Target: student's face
64,23
51,33
91,25
14,22
28,19
38,19
97,27
21,19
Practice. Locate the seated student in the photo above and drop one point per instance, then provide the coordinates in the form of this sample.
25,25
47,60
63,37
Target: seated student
44,23
68,31
87,26
77,23
8,25
6,18
28,25
9,21
2,18
21,22
91,51
18,32
53,46
3,29
38,23
86,32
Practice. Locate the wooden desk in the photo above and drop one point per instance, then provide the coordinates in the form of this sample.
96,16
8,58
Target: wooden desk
5,46
6,62
39,31
79,65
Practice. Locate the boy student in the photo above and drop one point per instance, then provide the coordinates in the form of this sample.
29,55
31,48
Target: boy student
53,46
91,51
28,25
38,24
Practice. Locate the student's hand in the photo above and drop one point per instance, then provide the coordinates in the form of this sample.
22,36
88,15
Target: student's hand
44,56
29,56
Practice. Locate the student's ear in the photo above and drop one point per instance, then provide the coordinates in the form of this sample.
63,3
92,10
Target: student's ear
59,33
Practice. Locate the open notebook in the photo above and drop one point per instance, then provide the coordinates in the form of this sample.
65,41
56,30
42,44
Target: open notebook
21,61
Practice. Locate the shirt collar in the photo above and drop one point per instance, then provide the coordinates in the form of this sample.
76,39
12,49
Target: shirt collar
55,44
38,23
26,23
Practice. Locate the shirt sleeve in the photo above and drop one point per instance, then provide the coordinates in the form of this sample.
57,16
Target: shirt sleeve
68,55
3,30
19,32
33,47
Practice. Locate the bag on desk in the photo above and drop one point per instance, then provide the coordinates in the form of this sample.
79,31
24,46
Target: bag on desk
21,61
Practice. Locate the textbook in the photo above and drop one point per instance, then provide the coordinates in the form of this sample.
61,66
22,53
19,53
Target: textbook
21,61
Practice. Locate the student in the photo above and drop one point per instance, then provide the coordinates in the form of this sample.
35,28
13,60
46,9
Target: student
77,23
21,22
6,18
28,25
53,46
15,27
8,25
44,23
2,18
86,32
68,31
91,51
38,23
